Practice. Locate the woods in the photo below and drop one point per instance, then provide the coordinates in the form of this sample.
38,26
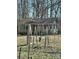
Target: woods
38,9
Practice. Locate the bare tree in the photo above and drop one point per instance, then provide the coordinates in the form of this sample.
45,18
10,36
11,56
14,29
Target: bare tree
25,13
40,8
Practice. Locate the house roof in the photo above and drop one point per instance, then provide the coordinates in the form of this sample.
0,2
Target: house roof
38,21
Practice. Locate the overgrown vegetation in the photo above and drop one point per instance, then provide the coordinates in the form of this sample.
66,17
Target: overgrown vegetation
38,51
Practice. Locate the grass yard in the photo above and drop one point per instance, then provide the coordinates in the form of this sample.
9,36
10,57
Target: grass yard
53,44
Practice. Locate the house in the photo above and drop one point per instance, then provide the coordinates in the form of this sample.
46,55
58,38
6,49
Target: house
44,26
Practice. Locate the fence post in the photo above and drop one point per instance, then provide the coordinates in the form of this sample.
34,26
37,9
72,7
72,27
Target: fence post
29,38
19,53
45,42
